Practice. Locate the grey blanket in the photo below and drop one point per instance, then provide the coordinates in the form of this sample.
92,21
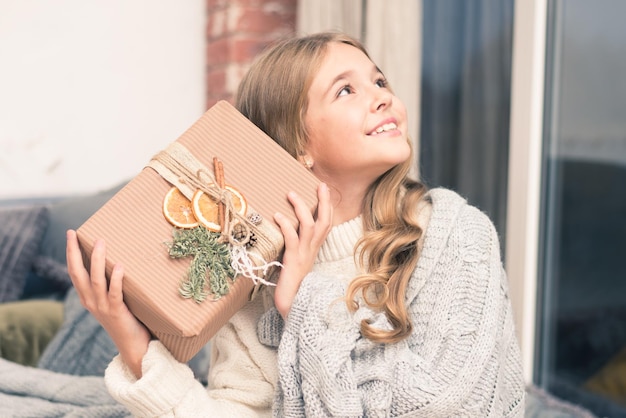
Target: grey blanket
68,381
33,392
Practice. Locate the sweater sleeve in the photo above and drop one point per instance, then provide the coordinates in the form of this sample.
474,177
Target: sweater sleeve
242,377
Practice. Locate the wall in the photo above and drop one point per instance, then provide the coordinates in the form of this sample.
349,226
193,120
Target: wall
236,32
90,89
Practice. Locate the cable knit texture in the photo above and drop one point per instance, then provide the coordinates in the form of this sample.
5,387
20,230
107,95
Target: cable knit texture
462,358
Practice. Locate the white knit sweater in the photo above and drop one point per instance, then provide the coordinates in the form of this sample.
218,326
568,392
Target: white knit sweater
244,372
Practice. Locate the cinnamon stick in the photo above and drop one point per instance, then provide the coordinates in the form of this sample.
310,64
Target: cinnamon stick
218,168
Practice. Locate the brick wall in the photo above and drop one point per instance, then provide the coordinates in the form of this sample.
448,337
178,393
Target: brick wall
237,30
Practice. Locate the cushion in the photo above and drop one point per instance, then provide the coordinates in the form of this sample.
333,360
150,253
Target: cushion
71,213
26,328
610,380
21,230
47,279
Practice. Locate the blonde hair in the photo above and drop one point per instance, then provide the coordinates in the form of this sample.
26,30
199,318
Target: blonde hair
273,95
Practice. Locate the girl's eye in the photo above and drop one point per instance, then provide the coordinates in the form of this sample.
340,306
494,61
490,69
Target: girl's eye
344,90
382,83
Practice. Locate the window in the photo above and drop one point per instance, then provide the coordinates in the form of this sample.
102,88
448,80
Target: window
582,257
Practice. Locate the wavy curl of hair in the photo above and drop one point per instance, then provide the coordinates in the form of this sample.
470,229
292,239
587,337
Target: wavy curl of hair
273,95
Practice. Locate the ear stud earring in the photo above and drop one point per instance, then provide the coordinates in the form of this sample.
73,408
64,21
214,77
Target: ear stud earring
307,161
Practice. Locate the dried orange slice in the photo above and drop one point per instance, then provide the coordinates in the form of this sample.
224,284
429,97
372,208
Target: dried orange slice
177,209
205,208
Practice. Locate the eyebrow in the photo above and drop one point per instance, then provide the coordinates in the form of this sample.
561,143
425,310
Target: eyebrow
347,73
334,81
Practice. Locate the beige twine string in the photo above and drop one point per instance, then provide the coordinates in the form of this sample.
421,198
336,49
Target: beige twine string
180,168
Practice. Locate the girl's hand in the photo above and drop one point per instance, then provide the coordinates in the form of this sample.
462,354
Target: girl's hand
106,304
302,246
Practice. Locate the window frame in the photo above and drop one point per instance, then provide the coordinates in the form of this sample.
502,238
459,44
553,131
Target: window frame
525,170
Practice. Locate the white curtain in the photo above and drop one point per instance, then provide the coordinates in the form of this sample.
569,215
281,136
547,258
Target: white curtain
318,15
392,32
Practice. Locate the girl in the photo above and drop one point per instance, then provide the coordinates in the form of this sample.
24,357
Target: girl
392,300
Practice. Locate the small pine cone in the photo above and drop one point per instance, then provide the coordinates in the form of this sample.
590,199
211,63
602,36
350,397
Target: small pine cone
252,241
239,232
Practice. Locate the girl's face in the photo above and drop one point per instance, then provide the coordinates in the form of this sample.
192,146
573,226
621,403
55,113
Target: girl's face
357,128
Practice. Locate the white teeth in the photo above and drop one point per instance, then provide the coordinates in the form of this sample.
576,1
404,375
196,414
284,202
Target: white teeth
385,127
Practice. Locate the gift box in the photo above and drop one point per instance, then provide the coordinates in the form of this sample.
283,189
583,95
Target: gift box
139,237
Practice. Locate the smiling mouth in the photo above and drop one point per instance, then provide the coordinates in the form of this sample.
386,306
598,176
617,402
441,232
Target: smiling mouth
384,128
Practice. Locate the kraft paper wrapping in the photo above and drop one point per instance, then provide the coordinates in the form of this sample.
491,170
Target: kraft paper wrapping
136,232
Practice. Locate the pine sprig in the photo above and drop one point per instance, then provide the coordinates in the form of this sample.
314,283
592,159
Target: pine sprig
210,258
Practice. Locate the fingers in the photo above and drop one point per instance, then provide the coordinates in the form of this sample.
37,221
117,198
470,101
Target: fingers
115,286
92,286
97,272
312,229
324,210
289,233
315,228
323,217
303,213
75,267
305,221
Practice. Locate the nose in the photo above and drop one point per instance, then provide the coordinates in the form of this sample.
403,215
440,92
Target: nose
382,98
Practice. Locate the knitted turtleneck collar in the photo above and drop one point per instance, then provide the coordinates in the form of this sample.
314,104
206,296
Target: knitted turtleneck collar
341,241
